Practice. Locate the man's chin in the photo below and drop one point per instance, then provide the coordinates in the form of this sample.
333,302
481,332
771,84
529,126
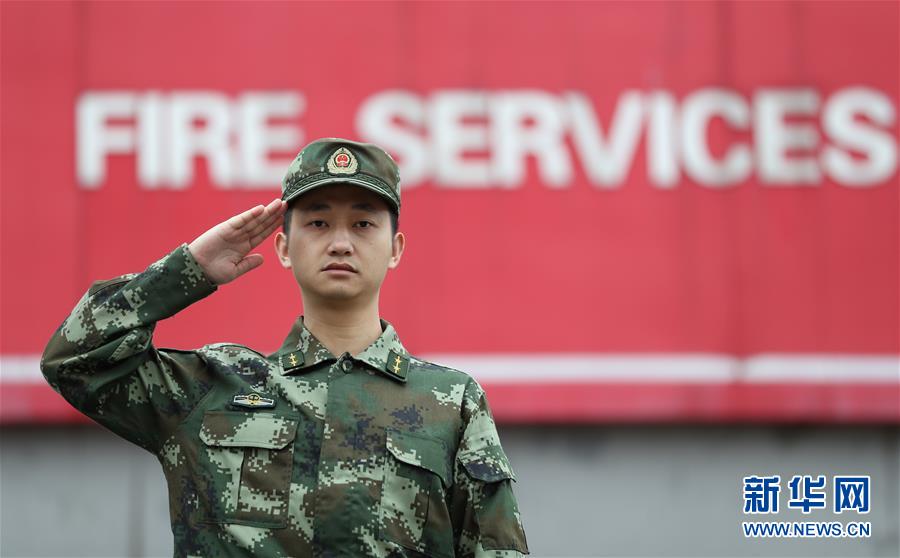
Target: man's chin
336,293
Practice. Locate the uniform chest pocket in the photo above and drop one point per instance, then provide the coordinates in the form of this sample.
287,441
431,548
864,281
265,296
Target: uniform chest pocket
246,461
413,511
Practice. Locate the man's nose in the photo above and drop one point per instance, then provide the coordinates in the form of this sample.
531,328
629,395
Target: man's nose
340,243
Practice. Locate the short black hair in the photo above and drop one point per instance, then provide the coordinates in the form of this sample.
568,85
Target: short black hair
286,227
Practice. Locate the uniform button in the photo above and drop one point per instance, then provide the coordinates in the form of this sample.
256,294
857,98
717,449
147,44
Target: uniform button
347,366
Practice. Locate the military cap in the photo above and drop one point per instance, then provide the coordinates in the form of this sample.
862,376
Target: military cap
335,161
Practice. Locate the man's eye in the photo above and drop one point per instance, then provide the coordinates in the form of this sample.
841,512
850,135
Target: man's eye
318,224
364,224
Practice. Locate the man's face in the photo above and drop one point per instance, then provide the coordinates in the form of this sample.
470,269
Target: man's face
340,244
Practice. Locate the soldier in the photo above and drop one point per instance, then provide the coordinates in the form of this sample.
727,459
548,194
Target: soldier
339,444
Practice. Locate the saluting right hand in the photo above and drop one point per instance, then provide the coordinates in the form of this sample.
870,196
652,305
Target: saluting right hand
224,250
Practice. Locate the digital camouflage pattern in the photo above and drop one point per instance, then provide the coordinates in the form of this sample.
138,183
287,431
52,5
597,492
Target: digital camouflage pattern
299,453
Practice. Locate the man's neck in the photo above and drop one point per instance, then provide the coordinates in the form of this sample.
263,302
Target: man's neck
343,329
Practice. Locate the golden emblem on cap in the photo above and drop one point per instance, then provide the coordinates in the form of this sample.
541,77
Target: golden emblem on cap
342,161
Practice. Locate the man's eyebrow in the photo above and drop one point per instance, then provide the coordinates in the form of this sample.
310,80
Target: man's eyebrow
322,206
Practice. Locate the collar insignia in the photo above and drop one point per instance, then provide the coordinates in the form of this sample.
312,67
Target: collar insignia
397,366
253,401
342,161
291,360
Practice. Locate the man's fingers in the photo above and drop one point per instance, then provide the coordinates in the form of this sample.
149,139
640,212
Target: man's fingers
247,224
276,205
250,262
263,233
273,212
252,215
243,219
263,227
270,212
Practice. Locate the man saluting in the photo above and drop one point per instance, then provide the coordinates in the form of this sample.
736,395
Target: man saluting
339,444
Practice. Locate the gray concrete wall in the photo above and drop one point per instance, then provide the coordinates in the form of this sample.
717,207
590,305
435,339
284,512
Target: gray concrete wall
583,491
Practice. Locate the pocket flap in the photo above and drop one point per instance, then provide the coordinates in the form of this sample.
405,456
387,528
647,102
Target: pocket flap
488,464
421,451
258,430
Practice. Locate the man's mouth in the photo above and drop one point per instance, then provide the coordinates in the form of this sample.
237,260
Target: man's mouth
339,267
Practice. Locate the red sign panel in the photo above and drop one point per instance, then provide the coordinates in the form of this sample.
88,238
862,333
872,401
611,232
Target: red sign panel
626,212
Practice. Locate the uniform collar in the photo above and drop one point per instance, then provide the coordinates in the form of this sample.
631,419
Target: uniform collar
301,351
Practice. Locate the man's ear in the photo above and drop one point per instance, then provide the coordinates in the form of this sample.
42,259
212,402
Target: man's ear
281,249
397,250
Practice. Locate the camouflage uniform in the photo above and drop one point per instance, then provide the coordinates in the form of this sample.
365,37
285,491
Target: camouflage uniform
299,453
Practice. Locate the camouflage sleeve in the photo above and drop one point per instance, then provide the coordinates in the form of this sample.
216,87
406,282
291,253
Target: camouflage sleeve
102,361
483,507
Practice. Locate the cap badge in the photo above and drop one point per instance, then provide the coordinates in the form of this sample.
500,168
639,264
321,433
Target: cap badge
342,161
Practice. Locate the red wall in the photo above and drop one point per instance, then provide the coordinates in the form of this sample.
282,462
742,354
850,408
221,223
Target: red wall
581,182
